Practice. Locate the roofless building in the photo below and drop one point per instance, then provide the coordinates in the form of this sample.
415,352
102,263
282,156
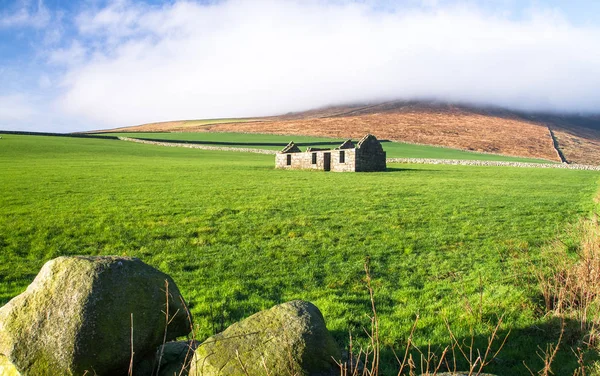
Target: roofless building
367,155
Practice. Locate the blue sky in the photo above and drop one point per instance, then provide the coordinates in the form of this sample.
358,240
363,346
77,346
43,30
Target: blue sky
68,65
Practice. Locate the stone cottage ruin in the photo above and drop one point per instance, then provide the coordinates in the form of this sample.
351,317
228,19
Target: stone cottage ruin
367,155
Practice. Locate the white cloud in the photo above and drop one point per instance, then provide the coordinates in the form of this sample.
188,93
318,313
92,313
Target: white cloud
26,14
117,19
14,107
73,55
241,58
27,112
44,82
132,63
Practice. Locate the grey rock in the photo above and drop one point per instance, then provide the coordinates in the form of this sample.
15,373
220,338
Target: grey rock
76,317
290,338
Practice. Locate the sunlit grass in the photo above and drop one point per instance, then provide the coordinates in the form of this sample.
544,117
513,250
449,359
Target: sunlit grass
239,236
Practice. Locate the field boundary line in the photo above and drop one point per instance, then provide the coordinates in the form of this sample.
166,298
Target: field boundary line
493,163
457,162
557,146
197,146
50,134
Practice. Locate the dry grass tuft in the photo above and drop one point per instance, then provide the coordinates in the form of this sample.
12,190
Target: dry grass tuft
570,281
366,361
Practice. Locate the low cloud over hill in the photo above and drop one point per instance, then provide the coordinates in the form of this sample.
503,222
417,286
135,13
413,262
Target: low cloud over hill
130,63
485,129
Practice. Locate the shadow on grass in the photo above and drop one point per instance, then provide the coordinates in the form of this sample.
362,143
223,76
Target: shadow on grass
523,349
227,311
400,169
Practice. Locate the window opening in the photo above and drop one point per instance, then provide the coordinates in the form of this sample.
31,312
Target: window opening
314,158
289,160
342,156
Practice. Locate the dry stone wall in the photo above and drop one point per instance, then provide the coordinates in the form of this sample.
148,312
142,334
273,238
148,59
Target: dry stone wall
196,146
493,163
280,158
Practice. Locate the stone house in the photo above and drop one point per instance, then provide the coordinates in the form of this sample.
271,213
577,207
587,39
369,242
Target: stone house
367,155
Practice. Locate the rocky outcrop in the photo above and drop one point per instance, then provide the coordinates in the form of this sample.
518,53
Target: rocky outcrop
81,314
290,338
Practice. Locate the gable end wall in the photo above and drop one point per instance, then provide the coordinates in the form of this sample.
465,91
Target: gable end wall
370,161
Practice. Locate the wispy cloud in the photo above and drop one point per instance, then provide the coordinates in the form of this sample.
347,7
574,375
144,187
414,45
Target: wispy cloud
26,14
16,109
72,55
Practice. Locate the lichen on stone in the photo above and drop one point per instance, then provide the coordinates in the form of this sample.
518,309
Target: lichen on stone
77,314
290,338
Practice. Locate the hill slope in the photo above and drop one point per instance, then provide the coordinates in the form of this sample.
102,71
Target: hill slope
491,130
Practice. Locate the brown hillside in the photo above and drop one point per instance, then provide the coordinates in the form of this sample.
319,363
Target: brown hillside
465,127
577,149
445,126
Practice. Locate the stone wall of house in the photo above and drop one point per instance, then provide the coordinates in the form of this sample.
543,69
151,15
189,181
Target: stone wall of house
304,160
301,160
368,155
349,164
370,161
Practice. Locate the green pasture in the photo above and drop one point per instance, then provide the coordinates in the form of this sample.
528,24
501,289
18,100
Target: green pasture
455,243
393,149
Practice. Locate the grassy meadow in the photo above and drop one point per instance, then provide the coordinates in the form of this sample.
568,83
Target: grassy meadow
393,149
453,243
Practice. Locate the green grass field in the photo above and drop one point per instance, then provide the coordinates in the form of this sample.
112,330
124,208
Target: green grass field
238,236
393,149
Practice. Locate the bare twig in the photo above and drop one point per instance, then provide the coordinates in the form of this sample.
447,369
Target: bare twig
130,372
239,359
167,322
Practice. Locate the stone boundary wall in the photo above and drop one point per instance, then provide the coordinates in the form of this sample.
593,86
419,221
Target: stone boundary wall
556,147
74,135
492,163
237,144
389,160
196,146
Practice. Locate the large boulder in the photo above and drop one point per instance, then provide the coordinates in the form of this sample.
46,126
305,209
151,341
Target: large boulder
287,339
7,368
77,315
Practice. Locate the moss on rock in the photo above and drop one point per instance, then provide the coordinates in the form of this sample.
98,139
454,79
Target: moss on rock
290,338
7,368
76,316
